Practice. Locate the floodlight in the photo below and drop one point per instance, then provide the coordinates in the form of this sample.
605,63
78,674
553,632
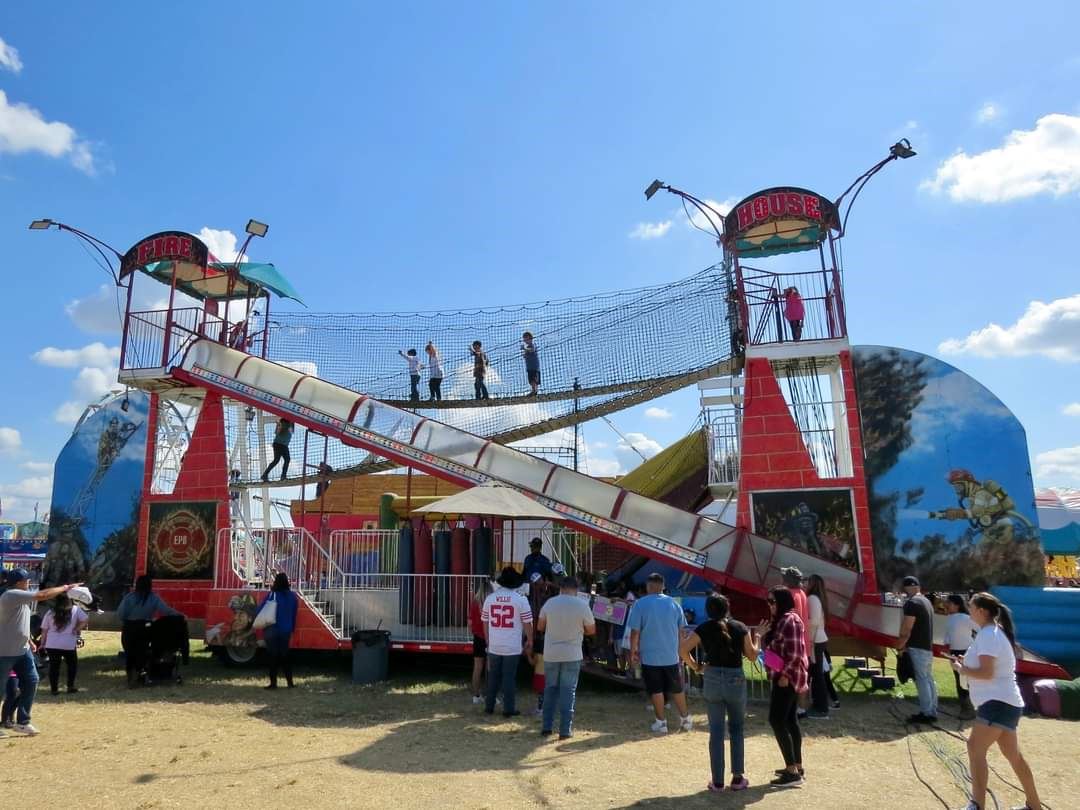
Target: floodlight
654,187
41,224
256,228
902,149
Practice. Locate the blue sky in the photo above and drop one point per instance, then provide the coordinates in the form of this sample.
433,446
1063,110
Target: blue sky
424,156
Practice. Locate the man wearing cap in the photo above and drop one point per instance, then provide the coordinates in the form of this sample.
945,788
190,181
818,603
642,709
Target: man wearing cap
917,637
793,578
536,562
15,650
566,620
655,626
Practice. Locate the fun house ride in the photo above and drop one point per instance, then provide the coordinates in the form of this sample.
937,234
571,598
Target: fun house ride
787,443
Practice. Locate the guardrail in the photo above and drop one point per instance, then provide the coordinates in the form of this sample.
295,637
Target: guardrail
764,304
157,338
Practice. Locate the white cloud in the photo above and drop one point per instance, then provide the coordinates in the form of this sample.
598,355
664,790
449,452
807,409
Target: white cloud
10,440
1043,160
650,230
653,412
641,443
222,243
21,497
1059,467
69,412
1072,409
92,383
95,354
37,466
23,129
988,112
35,487
706,222
1051,330
9,57
100,313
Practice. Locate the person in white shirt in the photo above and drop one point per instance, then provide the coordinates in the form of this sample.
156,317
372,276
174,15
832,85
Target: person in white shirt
822,691
565,620
414,373
507,616
435,373
959,630
60,631
990,667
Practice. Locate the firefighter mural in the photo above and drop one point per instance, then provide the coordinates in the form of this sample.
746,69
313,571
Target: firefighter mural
96,490
951,493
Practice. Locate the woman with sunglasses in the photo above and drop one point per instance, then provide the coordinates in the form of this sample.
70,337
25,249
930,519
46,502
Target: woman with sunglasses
990,667
785,657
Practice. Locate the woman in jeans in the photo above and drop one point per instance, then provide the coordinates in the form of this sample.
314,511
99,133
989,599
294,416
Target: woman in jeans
725,642
990,668
278,634
785,656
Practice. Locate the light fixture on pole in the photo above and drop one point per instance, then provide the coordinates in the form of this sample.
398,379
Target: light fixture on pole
711,214
92,241
901,150
254,228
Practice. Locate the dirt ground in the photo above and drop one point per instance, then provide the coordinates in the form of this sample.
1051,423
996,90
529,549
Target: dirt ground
221,740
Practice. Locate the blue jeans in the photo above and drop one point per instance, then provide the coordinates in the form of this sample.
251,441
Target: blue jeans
725,702
560,689
922,661
502,676
25,668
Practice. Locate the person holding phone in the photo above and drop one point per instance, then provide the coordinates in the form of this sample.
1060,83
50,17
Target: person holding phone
784,640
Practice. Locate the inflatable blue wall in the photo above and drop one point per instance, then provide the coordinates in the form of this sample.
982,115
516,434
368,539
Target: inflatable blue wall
1047,621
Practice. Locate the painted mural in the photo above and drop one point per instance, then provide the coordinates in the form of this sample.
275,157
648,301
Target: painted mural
817,521
95,503
951,494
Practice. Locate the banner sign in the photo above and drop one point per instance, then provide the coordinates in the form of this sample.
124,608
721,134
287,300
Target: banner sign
165,246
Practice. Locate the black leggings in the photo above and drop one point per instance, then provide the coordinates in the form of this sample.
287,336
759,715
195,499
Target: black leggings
135,639
435,388
784,719
281,453
55,657
820,680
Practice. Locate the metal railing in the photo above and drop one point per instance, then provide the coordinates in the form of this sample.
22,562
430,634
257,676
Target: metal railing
763,294
723,433
258,555
158,338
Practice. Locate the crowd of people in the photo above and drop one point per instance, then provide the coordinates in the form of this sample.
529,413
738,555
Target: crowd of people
530,353
544,615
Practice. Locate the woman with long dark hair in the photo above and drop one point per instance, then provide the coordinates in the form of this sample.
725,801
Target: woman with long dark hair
60,638
278,634
960,628
137,609
990,668
725,642
785,657
822,691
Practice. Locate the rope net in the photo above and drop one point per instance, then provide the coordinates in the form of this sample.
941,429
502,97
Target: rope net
597,354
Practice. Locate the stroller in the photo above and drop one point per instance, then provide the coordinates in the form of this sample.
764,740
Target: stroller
155,649
169,645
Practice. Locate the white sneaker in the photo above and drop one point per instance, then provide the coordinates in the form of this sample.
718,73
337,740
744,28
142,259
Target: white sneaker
659,727
24,728
477,700
686,723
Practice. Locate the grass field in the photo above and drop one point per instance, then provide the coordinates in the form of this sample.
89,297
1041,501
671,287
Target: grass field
220,740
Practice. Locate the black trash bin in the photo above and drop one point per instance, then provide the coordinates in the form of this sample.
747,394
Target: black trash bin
371,655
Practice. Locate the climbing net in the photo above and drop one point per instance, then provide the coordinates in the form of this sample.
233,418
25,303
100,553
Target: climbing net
598,354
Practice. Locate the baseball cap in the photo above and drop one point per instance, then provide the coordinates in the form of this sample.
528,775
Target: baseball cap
910,582
16,575
558,569
536,576
791,573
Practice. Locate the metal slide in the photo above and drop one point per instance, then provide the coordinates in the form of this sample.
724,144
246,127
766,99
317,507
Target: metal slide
736,559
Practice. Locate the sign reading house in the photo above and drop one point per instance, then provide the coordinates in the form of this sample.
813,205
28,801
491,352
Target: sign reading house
780,220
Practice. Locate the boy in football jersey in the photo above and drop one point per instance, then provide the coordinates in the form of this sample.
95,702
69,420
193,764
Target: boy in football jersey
507,617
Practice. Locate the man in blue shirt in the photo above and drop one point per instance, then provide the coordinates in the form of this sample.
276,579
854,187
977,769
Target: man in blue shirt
535,562
655,626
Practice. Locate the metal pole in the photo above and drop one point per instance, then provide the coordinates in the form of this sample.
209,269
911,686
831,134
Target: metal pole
127,317
577,425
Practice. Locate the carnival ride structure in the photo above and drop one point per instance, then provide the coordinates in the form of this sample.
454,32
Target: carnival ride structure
779,400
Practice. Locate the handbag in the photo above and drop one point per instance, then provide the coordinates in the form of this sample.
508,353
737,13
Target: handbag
773,662
267,614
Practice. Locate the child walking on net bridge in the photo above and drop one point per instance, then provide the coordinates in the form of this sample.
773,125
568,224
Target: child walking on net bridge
282,437
532,362
480,366
414,373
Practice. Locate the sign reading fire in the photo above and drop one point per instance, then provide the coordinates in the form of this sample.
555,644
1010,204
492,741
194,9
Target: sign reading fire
165,246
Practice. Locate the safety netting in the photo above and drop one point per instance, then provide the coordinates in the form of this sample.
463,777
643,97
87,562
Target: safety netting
597,354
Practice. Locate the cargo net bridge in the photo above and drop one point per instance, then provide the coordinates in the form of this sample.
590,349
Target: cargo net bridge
597,355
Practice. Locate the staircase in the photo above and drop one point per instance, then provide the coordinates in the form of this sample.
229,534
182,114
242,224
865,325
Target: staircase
721,400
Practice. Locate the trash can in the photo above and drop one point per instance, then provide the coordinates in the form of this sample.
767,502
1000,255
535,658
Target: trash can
371,655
